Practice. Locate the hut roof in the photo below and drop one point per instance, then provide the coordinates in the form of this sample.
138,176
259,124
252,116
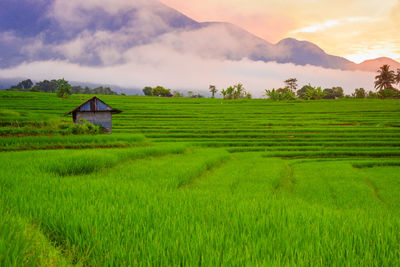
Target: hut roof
94,105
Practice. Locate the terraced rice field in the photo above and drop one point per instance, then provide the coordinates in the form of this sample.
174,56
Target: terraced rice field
201,182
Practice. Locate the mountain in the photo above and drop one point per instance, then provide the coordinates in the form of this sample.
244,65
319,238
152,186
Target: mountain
32,30
374,64
102,33
303,53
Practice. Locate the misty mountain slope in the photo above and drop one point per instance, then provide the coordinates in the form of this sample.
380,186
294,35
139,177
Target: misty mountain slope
33,30
105,33
375,64
303,53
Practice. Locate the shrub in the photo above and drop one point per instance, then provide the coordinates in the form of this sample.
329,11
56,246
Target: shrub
313,93
359,93
84,127
372,95
389,93
280,94
63,88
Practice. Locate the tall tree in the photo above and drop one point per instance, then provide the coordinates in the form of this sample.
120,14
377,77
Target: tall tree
147,91
291,84
63,88
301,93
47,86
239,91
213,90
161,91
314,93
398,76
26,84
224,93
229,92
385,79
359,93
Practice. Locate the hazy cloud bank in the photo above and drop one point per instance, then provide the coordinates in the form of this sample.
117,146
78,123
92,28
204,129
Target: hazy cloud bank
152,65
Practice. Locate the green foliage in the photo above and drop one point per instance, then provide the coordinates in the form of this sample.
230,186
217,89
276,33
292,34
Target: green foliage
389,93
239,91
291,84
22,86
248,95
224,93
236,91
359,93
280,94
95,91
213,90
161,91
84,127
301,93
314,93
272,95
47,86
286,93
372,95
385,79
333,93
147,91
63,88
397,79
177,94
51,87
35,89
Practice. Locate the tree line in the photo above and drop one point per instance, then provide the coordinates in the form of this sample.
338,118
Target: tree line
384,86
236,91
61,87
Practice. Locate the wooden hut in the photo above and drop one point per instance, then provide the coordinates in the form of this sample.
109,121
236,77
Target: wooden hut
95,111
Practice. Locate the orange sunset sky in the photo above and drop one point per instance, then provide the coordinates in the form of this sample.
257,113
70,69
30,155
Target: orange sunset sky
355,29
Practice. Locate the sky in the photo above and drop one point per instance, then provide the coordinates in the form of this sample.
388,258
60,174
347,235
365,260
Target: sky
188,61
355,29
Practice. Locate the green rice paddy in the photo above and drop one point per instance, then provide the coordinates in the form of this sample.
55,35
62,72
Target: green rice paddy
190,182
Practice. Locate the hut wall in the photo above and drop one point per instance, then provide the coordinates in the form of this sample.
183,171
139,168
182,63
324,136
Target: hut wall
103,119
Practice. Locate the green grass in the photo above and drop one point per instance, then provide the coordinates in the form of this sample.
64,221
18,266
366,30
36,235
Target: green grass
61,142
187,182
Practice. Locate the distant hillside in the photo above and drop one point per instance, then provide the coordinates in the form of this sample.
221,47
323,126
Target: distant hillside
374,64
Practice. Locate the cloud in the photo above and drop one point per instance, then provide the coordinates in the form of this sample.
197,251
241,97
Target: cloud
155,64
330,24
395,14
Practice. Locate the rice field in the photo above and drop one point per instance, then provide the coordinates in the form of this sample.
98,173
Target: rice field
190,182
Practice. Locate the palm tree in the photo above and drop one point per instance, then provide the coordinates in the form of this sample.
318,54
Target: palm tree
398,76
213,90
224,93
239,90
313,93
385,79
229,92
